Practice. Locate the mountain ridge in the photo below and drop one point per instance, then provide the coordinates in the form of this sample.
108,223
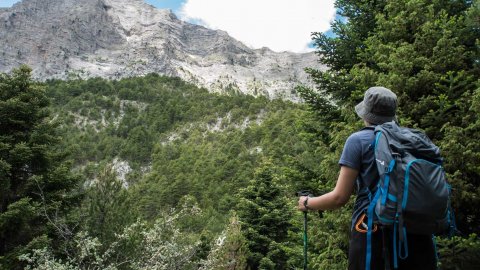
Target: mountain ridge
63,39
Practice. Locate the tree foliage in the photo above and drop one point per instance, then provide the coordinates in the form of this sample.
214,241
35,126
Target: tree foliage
173,144
427,53
265,216
137,246
167,139
35,183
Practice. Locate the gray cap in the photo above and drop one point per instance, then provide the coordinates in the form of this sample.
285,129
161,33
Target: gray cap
379,105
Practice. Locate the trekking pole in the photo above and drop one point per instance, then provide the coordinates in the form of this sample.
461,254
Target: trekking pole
305,237
305,241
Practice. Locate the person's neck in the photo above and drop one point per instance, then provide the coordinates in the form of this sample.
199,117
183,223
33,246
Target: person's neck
367,124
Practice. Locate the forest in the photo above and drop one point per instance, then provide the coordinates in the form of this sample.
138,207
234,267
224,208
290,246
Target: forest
152,172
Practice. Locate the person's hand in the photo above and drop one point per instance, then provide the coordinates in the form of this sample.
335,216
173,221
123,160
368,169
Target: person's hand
301,205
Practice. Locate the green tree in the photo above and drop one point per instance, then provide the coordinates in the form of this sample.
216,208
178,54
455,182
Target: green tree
427,53
265,215
109,207
35,183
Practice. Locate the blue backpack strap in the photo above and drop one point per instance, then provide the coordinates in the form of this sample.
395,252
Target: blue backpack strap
400,250
400,244
395,253
387,182
371,206
370,212
402,231
452,228
403,243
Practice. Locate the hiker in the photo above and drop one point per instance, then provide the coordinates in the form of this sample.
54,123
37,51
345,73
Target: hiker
358,171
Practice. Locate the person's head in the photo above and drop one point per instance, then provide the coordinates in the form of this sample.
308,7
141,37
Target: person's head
379,105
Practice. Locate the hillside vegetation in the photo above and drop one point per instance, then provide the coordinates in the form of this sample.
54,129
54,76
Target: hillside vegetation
154,173
146,150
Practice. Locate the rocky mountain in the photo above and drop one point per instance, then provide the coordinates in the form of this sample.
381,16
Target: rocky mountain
121,38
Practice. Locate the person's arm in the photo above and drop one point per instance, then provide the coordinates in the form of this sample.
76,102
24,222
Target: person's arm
336,198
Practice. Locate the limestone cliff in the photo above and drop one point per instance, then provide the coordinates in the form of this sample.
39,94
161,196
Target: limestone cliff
121,38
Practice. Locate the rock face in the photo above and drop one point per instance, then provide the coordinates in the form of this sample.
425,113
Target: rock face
120,38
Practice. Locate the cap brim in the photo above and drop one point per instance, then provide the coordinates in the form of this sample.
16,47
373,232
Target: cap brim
360,109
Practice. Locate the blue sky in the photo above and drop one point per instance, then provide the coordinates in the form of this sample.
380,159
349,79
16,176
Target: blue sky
7,3
174,5
281,25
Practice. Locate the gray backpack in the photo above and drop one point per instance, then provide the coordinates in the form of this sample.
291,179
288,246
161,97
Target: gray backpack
412,194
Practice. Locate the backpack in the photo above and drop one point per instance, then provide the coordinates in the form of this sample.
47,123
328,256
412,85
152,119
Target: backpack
412,194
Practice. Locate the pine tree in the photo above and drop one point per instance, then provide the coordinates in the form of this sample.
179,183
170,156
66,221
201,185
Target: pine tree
109,206
265,217
35,184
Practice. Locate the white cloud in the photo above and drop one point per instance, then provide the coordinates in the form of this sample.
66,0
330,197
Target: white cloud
281,25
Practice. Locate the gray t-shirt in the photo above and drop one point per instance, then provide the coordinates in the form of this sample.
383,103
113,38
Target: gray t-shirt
358,154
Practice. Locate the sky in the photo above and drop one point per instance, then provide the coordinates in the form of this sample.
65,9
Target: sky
281,25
